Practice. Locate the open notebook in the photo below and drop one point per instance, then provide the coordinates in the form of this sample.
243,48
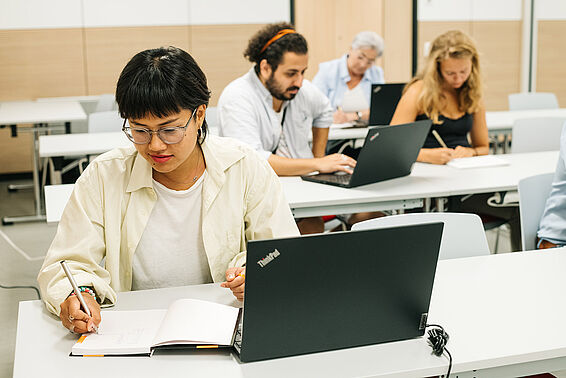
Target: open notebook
477,162
187,322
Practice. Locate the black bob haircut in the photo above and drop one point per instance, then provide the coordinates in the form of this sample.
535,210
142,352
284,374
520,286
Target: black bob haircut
293,42
161,82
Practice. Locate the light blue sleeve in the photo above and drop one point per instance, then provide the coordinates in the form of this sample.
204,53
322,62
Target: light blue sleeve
321,80
553,222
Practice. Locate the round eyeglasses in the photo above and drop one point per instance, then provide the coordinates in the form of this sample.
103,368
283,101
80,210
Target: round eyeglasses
169,135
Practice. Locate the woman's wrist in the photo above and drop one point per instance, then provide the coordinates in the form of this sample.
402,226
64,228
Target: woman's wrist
86,289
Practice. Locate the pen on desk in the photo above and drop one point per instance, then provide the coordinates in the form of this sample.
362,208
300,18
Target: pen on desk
77,291
439,139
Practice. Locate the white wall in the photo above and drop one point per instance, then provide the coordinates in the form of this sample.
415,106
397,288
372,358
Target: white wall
469,10
41,14
550,10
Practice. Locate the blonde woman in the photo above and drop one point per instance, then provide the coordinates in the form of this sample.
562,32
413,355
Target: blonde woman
449,92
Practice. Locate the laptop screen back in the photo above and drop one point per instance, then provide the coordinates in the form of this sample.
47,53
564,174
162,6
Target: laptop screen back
338,290
383,102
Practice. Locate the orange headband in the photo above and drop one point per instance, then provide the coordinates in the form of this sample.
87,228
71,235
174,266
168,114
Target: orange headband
279,34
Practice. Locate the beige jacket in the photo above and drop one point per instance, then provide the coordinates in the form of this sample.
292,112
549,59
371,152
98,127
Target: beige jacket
113,199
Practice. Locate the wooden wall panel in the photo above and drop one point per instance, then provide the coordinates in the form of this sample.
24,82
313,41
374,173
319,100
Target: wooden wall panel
41,63
499,44
315,20
330,26
219,50
109,49
15,153
551,58
398,36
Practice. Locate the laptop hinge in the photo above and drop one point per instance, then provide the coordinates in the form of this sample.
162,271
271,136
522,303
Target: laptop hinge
424,317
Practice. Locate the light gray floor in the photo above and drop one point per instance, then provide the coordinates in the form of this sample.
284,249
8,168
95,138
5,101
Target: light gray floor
34,239
15,269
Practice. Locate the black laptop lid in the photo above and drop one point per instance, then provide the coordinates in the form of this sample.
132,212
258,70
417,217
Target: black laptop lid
338,290
383,102
389,152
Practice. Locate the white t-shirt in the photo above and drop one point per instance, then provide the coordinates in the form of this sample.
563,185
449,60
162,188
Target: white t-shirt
354,100
171,251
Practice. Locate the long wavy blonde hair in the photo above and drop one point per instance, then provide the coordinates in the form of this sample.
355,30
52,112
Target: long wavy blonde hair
452,44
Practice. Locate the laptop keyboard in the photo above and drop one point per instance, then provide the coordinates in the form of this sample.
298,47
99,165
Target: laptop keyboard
340,179
238,338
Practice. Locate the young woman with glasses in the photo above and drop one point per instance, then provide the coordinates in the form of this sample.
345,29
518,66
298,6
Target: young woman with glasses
175,209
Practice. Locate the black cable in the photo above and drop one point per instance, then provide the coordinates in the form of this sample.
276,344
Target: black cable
22,287
437,339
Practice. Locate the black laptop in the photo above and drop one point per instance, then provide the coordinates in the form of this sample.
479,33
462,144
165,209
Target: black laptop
388,152
338,290
383,102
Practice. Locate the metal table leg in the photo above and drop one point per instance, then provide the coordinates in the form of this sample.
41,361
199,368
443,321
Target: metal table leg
37,192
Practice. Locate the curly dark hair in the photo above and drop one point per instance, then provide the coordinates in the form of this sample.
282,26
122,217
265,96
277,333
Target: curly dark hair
294,42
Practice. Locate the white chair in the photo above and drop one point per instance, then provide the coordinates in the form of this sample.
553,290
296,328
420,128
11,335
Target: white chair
532,100
533,193
536,134
463,234
212,119
101,122
106,102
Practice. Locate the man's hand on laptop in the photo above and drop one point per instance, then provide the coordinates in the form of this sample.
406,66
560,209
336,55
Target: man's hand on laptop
236,281
335,162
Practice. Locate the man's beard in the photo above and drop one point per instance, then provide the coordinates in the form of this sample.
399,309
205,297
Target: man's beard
275,89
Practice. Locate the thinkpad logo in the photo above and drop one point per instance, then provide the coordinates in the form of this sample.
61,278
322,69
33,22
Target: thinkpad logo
268,258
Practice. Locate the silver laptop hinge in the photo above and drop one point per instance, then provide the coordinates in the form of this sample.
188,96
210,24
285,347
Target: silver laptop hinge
424,317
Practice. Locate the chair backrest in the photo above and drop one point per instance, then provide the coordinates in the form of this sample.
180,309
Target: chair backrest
532,100
101,122
212,119
106,102
536,134
533,193
463,234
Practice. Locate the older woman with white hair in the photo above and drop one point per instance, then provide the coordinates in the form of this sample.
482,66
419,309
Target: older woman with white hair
347,81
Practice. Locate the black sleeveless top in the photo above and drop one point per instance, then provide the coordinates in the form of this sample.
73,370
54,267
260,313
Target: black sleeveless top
454,132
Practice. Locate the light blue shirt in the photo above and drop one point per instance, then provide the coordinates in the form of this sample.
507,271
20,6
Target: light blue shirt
245,112
553,222
332,78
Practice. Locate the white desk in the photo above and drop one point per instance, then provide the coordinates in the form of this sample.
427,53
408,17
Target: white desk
426,181
504,314
503,121
24,112
81,144
97,143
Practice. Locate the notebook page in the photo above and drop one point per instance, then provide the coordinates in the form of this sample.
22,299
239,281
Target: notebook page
122,332
477,162
192,321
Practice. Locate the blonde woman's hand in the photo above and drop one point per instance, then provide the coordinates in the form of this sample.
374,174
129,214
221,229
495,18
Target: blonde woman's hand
463,152
436,155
